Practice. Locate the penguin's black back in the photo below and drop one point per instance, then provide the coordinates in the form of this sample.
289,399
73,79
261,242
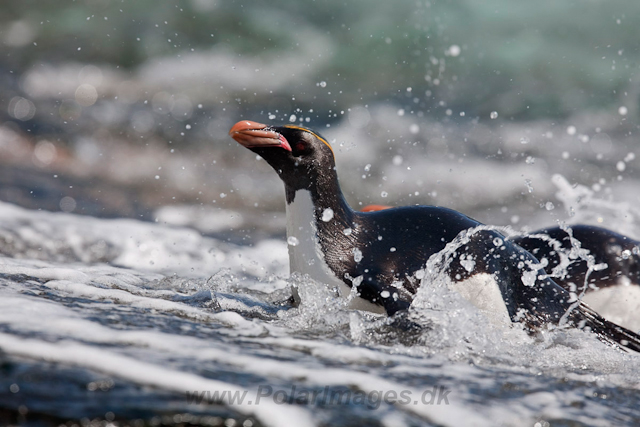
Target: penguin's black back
393,243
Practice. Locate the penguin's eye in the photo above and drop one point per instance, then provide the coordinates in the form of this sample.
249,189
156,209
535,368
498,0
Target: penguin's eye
303,145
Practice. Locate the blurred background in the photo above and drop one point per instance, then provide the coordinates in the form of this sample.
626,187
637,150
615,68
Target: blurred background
519,113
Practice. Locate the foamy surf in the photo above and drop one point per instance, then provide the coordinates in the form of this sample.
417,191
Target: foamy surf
172,319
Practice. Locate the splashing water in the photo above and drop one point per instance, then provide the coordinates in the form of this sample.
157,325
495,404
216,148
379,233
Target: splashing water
580,202
84,312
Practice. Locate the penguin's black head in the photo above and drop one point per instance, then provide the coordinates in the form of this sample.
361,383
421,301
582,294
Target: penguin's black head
299,155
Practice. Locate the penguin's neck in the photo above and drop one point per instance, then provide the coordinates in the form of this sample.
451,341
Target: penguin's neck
315,215
320,239
320,203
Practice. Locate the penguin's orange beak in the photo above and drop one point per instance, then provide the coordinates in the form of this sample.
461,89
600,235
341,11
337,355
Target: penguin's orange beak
255,135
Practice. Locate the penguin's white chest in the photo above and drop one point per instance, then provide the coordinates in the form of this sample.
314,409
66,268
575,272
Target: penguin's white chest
305,252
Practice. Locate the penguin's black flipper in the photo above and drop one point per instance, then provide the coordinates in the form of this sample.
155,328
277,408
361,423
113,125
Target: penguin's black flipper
584,316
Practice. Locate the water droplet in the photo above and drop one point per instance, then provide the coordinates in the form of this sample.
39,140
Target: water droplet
530,160
571,130
454,50
357,255
392,249
45,152
323,84
621,166
414,128
469,263
397,160
524,140
327,215
549,206
86,95
623,111
292,241
67,204
494,115
21,108
527,182
401,112
384,194
367,168
347,231
529,278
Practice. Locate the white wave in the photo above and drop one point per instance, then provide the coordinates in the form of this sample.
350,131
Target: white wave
212,304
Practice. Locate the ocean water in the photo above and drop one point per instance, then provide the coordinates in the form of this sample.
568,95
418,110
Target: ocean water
180,317
126,322
506,111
